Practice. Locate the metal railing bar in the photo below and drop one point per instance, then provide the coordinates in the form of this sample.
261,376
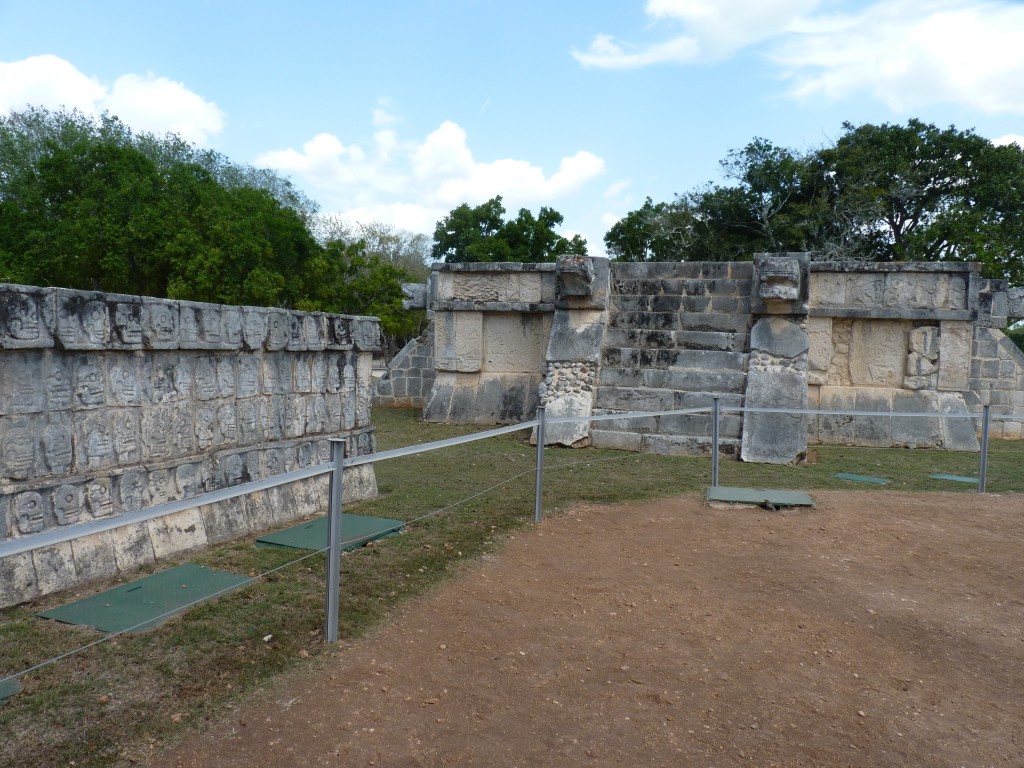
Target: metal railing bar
55,536
411,450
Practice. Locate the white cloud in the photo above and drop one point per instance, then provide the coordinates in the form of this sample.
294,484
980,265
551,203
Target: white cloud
713,29
905,53
910,54
1010,138
617,189
413,184
144,103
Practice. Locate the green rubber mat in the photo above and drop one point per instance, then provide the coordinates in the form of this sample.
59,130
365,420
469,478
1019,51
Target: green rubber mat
148,602
356,530
955,478
760,496
861,478
8,688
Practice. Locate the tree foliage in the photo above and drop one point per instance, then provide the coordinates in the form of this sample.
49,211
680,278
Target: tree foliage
482,234
86,204
880,192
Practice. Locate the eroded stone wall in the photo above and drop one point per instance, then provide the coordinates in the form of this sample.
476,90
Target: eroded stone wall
109,404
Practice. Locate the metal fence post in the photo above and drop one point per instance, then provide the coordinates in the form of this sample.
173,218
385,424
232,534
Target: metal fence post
714,442
337,489
986,415
539,483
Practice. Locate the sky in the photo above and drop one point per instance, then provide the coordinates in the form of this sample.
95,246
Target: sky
398,111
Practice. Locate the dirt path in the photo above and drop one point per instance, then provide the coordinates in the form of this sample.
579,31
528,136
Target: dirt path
879,629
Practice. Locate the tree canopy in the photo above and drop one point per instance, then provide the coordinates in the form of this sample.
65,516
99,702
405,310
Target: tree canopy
85,203
880,192
482,234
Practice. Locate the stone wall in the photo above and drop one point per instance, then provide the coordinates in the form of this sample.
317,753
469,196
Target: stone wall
109,404
409,376
783,332
491,325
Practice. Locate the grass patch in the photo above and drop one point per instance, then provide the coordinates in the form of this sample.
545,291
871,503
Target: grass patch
121,698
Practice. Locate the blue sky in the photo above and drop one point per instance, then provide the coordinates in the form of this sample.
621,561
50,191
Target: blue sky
399,111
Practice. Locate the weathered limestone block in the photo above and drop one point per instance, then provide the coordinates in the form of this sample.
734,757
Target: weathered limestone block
133,547
126,321
777,379
416,295
820,349
26,317
458,341
511,342
55,567
1015,303
17,579
865,290
954,355
828,289
94,556
575,275
82,320
172,534
878,352
159,323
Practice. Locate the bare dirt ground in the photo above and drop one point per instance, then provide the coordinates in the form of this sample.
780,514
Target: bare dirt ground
879,629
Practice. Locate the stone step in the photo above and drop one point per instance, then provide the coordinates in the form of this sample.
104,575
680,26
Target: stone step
675,303
670,445
677,390
708,270
691,359
715,322
639,338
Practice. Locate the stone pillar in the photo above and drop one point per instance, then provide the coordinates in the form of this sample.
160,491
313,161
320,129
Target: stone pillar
777,373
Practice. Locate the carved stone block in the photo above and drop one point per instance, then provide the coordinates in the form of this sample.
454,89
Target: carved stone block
126,322
20,390
82,320
131,489
95,443
160,323
29,512
127,435
339,333
254,328
56,446
57,383
67,504
26,317
123,381
89,383
277,335
18,450
98,501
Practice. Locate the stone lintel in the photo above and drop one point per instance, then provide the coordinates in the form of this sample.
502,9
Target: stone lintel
893,314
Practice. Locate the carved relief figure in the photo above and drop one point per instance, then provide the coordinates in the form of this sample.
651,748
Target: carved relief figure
188,327
303,378
232,319
228,423
22,384
29,512
126,437
97,495
254,329
205,426
188,479
234,470
157,490
225,376
93,318
334,367
22,318
57,448
128,323
278,335
249,420
206,378
248,377
316,419
275,462
183,437
67,504
131,487
307,454
319,374
156,432
163,383
19,453
58,385
210,320
89,391
161,321
295,338
123,385
99,448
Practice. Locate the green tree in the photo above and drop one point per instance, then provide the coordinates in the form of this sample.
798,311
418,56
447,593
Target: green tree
86,204
880,192
481,234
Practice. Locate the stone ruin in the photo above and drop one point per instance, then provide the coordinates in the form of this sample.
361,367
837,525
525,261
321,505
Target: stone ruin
112,403
588,336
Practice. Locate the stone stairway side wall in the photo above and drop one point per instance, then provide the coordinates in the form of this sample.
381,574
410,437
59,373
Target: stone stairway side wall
410,375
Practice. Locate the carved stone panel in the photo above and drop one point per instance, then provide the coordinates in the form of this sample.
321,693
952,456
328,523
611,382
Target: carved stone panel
160,323
254,328
56,446
29,512
98,500
17,452
127,435
67,504
89,383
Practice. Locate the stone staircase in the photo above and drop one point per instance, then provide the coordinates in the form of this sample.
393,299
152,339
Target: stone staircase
677,334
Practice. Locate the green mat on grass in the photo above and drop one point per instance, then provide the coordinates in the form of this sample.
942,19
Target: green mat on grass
356,530
148,602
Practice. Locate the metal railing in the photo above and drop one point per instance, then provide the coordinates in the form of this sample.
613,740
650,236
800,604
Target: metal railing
338,463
